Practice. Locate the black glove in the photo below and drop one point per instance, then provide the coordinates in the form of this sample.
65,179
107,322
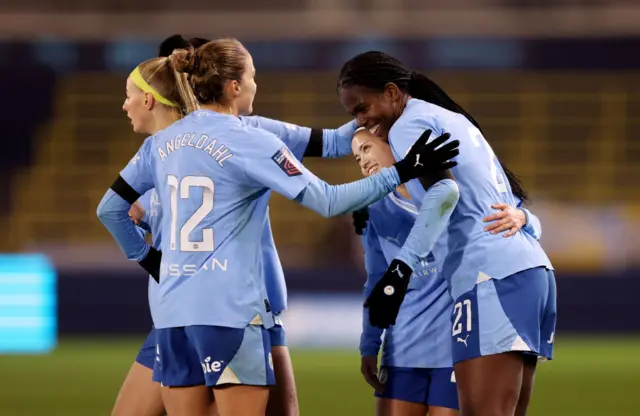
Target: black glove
387,295
151,263
360,218
424,159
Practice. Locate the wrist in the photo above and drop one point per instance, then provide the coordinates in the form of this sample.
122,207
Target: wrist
406,260
403,170
524,216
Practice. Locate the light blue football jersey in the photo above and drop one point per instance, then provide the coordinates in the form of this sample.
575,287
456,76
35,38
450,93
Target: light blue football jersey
468,253
336,143
210,172
420,337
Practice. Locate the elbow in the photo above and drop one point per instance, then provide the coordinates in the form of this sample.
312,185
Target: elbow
452,194
326,212
317,205
102,212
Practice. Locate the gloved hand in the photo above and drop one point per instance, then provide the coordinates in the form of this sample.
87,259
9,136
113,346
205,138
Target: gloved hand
387,295
427,158
360,218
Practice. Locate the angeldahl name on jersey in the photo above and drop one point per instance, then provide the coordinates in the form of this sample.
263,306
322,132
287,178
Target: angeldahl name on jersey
209,145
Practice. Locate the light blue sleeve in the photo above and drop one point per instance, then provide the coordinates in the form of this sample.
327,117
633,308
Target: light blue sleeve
145,203
376,265
333,200
533,226
269,163
113,210
141,231
337,142
113,213
407,130
433,218
138,173
295,137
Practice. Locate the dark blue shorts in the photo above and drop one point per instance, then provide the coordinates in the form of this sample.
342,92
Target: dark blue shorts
213,356
517,313
428,386
147,354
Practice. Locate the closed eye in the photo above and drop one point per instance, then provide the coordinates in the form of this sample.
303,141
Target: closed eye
359,109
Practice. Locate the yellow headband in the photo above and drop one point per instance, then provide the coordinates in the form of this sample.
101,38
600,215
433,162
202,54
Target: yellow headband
137,79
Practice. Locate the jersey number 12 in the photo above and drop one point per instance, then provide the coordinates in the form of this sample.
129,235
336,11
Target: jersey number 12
184,187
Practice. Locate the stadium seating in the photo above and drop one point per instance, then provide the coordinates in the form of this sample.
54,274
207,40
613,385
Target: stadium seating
570,137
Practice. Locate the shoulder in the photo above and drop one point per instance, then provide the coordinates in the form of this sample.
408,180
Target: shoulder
417,114
144,152
252,133
421,113
251,139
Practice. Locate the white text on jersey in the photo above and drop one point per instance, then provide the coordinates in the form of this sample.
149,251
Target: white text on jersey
220,154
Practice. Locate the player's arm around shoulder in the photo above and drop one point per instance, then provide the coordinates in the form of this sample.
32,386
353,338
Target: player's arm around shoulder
406,131
266,162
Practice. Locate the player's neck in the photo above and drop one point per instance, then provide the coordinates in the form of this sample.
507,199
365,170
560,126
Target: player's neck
402,190
163,120
220,108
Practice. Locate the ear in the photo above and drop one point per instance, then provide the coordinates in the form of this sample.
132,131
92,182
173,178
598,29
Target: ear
234,88
391,91
149,101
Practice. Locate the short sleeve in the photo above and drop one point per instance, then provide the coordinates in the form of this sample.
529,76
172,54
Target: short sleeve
138,173
269,163
295,137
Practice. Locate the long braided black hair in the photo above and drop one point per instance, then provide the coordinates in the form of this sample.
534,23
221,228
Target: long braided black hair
374,70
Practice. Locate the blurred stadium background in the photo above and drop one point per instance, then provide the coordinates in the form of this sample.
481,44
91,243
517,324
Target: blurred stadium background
555,85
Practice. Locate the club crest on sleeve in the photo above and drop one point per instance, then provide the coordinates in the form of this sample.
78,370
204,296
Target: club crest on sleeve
286,162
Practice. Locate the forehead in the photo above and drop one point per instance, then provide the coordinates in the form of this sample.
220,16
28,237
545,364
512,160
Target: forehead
363,137
131,86
355,95
248,62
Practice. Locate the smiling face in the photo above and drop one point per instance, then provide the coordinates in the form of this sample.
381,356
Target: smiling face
372,153
375,110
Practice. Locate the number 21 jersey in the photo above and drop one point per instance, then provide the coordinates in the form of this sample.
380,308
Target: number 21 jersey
468,254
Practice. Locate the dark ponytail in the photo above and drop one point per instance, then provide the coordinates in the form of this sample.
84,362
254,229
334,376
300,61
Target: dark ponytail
423,88
516,184
375,70
178,42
